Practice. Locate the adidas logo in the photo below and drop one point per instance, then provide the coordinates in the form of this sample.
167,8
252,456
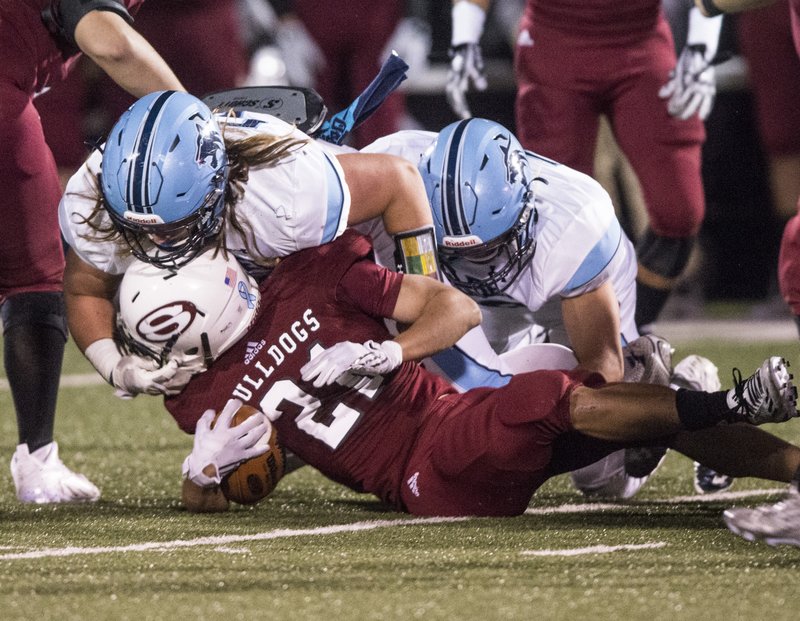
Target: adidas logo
524,39
253,347
412,484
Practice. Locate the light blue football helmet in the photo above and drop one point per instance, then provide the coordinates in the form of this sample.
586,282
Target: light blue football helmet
164,173
478,179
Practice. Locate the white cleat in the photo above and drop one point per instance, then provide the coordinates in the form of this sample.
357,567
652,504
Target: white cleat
41,477
767,396
648,360
775,524
696,373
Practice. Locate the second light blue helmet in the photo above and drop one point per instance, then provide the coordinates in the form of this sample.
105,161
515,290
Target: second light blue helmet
478,182
164,173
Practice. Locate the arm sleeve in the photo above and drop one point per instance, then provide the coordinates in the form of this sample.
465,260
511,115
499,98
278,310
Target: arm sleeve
62,17
370,288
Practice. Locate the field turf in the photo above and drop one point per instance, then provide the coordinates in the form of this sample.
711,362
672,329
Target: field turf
314,550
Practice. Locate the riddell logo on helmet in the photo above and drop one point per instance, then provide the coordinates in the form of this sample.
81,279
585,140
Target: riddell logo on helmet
462,242
162,323
143,218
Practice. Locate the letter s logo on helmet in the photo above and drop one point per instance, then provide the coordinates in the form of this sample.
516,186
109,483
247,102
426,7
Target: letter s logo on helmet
203,308
160,324
164,173
478,180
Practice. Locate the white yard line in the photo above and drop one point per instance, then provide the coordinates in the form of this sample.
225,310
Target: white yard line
224,540
592,507
222,543
727,330
79,380
594,549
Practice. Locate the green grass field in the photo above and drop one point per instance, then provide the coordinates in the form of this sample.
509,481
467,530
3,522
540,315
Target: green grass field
314,550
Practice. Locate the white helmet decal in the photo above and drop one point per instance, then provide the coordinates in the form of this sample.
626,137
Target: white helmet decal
201,309
159,325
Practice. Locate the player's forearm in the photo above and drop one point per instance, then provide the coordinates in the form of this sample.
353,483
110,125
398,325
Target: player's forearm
593,326
446,317
88,295
90,319
124,54
715,7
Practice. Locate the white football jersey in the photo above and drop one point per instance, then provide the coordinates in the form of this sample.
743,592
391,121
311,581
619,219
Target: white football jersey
300,202
579,246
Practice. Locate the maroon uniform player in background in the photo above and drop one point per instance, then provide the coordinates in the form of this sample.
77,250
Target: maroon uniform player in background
341,43
578,59
39,43
369,417
200,40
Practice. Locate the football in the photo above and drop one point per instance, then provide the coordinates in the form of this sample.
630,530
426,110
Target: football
254,479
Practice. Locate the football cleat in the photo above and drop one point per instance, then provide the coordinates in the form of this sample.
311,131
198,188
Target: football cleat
648,360
696,373
41,477
767,396
699,373
607,478
708,481
774,524
644,460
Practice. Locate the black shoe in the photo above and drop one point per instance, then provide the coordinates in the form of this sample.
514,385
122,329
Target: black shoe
708,481
642,461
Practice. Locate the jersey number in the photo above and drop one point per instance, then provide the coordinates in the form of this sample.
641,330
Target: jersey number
328,423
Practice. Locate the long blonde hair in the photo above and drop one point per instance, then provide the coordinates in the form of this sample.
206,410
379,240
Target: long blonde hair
258,150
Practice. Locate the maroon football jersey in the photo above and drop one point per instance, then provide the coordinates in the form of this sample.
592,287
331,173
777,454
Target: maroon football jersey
595,18
313,300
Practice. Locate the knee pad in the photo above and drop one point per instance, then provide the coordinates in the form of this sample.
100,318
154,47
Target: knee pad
665,256
37,307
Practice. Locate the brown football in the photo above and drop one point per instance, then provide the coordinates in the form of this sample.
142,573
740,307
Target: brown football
255,479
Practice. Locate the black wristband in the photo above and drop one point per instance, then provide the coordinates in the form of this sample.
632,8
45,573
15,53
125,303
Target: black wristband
711,8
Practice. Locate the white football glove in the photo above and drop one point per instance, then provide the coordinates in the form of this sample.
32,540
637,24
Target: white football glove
466,58
692,85
357,359
225,447
466,66
132,375
135,375
301,54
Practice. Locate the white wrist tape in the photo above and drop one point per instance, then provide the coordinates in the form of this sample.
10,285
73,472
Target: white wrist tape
394,352
468,19
704,31
104,356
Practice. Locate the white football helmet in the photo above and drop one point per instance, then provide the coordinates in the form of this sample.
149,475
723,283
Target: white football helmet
201,309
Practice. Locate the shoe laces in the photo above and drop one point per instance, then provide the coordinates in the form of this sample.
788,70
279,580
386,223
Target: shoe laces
746,392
